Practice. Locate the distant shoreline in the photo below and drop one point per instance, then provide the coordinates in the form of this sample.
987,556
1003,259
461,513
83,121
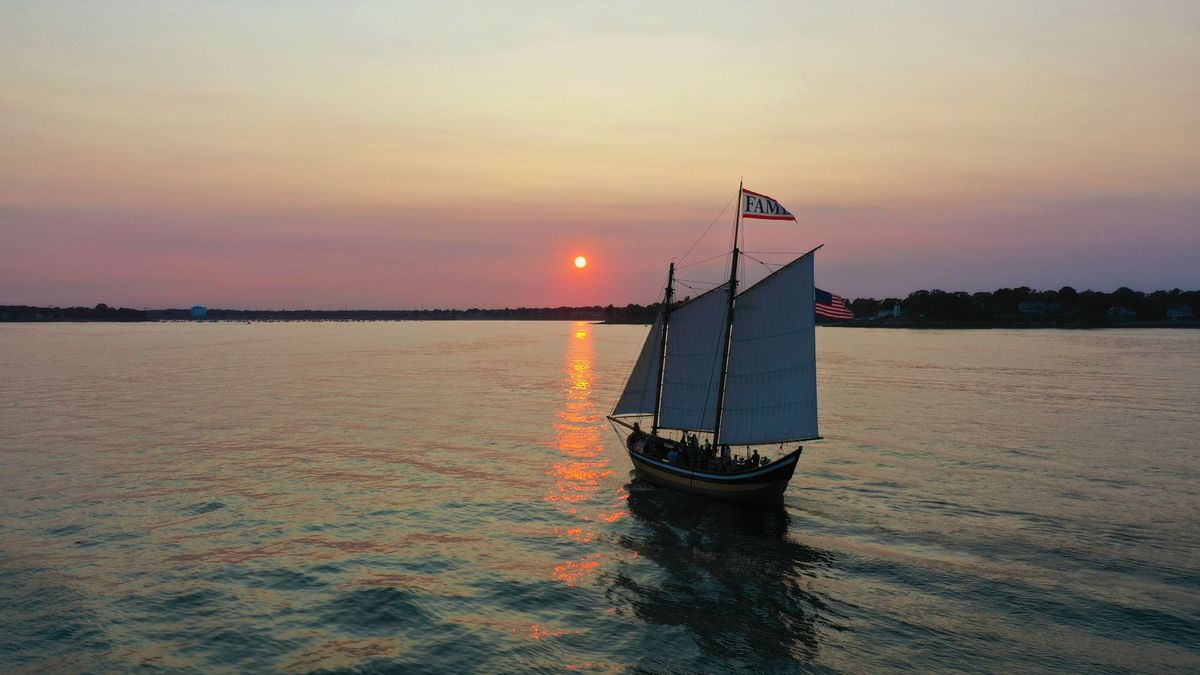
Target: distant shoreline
935,325
629,315
104,313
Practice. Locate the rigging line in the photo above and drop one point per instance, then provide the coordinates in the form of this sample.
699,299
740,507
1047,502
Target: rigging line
700,262
693,288
770,268
776,252
710,225
765,263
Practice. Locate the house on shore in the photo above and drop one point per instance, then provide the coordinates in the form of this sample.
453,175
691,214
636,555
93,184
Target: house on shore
1180,313
1032,307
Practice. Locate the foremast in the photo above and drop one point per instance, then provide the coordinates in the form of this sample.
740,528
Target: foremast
662,348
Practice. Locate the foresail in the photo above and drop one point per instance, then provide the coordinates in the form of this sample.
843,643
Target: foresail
771,386
693,366
642,388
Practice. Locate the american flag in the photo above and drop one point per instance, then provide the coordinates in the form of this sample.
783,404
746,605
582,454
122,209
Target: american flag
832,306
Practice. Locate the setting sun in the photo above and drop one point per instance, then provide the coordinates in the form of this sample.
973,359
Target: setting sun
580,262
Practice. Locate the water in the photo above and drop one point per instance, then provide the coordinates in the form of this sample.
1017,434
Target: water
447,497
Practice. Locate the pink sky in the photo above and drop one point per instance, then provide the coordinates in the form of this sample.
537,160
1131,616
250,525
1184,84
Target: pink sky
315,157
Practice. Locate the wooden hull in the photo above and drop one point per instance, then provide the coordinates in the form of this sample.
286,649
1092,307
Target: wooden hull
765,484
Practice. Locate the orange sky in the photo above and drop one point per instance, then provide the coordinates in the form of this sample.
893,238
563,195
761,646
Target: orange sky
461,154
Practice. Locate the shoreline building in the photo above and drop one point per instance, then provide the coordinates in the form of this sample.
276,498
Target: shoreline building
1180,313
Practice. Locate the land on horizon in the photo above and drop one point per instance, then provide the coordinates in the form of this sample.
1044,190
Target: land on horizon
1015,307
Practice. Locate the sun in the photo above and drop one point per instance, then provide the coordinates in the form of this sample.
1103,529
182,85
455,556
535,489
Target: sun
580,262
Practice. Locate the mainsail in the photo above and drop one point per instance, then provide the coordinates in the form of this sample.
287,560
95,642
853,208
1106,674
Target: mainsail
771,386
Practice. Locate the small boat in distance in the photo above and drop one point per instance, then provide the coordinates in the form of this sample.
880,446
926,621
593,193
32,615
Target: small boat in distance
734,368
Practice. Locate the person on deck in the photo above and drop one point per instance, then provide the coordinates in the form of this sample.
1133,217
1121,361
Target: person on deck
638,435
755,459
673,456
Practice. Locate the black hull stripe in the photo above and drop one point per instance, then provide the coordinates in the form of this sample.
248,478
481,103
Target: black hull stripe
781,470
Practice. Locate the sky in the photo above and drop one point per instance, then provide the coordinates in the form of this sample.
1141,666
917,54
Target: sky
324,155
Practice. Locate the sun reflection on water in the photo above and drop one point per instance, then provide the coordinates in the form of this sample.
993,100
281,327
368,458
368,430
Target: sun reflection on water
577,433
575,572
580,472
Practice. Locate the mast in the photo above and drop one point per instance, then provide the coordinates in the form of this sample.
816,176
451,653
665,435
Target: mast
737,221
662,349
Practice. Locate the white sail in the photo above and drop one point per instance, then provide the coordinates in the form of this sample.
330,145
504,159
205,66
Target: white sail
771,386
642,388
693,366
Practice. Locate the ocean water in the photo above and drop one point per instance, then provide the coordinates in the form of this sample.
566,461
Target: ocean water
448,497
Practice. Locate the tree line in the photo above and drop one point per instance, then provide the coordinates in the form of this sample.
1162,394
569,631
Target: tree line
1024,305
1005,306
102,312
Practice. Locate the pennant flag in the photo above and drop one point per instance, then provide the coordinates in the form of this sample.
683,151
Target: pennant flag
763,207
832,306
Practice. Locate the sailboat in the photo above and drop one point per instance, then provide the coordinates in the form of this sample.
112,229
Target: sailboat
736,367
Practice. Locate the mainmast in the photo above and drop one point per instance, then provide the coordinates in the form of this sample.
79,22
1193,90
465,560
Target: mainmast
662,348
737,221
